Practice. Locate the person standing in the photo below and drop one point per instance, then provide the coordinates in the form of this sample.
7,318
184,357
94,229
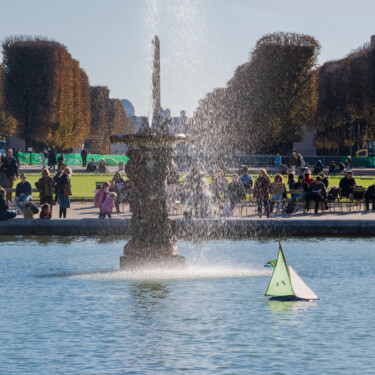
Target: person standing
277,163
10,169
23,193
293,162
46,188
44,157
52,158
64,191
84,157
262,192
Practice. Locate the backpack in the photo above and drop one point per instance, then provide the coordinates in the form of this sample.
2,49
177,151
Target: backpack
99,197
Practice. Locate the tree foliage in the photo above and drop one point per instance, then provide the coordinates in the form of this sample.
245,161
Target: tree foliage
268,99
345,113
8,124
47,91
108,117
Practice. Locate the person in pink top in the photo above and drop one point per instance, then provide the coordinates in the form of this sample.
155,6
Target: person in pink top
107,206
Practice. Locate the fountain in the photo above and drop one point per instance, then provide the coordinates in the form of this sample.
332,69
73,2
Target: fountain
153,241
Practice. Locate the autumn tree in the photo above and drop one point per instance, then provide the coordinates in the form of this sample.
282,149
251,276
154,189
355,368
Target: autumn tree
345,115
47,91
108,117
269,98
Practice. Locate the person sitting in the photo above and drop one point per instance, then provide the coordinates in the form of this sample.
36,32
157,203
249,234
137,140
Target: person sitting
291,180
318,193
318,168
28,212
92,166
23,193
102,166
346,185
324,180
332,168
4,213
308,179
60,161
246,180
236,191
278,191
283,169
341,167
370,196
45,212
223,182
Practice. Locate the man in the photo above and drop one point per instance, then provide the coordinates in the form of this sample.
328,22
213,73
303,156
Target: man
84,157
52,158
10,168
346,185
318,193
236,191
246,180
91,167
23,193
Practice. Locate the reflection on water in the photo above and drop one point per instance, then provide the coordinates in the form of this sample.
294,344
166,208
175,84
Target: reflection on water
282,307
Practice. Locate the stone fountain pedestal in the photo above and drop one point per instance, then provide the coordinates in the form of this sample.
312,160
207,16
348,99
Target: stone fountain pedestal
153,242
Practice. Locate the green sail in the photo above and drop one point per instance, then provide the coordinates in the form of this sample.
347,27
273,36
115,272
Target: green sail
280,284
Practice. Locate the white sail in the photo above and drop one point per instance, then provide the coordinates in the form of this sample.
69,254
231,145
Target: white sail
301,290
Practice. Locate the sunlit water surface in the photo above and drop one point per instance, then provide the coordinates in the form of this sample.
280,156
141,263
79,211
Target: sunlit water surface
65,308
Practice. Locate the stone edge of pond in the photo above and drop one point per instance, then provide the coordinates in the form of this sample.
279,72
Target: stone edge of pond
195,228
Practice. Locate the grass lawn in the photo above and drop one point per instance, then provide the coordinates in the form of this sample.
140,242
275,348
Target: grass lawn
83,185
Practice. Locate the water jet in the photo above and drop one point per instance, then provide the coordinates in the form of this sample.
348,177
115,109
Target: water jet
150,151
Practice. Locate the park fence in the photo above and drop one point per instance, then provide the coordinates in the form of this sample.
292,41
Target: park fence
73,159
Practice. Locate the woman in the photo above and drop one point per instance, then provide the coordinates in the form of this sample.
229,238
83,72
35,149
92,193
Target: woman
278,190
46,188
291,180
308,179
119,181
102,166
262,191
214,188
64,186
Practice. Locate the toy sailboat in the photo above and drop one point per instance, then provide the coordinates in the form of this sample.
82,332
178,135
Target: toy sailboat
286,285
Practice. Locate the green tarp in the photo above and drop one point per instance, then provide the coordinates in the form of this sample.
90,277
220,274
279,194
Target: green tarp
73,159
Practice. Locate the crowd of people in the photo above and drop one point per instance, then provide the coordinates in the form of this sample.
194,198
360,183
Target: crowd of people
59,185
199,198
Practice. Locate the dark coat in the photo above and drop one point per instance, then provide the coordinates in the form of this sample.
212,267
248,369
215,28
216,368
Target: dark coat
9,167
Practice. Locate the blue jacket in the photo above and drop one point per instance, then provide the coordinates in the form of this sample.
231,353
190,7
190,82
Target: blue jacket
23,188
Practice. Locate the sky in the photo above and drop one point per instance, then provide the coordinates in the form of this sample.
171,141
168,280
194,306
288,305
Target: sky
202,41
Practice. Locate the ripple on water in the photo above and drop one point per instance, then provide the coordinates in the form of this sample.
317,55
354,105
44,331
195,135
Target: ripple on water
189,272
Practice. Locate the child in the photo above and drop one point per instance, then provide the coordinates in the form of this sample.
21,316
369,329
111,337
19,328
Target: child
45,212
226,209
27,212
107,206
101,195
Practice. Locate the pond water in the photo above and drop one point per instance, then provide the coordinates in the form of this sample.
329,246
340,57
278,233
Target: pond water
66,309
